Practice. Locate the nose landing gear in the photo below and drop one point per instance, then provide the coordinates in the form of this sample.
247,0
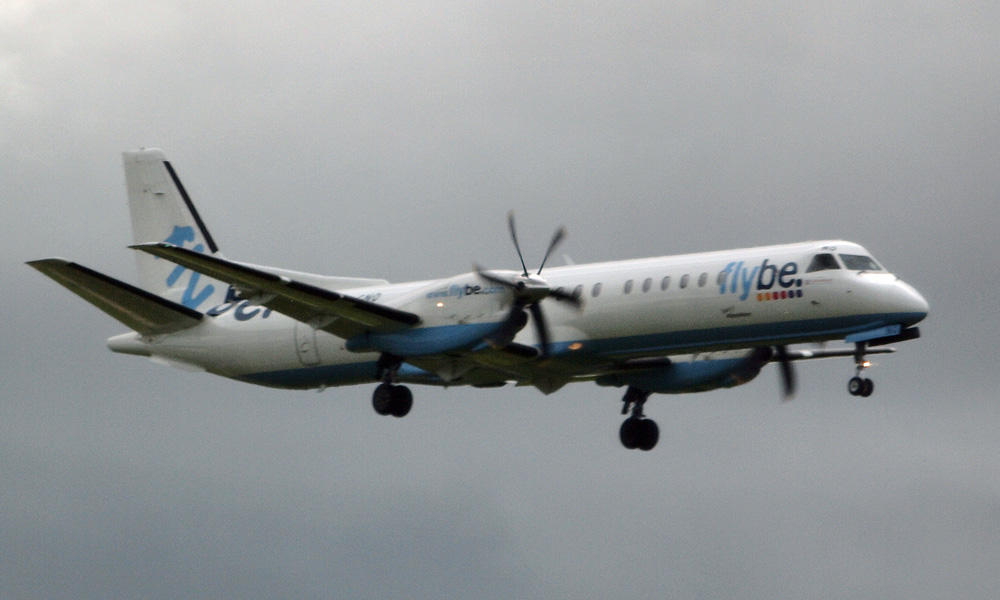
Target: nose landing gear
637,432
858,385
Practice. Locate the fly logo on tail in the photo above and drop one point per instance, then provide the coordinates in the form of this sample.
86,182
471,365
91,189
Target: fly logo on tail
191,297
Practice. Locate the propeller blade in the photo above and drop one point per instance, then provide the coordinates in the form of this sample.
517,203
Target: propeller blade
569,297
762,354
513,236
516,320
493,278
528,291
558,237
540,327
787,373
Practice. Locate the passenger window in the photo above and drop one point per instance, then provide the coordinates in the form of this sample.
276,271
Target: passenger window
648,283
628,286
859,262
684,280
578,291
822,262
596,290
665,283
721,278
702,279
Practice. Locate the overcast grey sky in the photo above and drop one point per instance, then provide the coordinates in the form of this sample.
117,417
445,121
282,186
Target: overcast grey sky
389,139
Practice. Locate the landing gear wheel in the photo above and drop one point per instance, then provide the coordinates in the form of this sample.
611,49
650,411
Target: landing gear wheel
637,431
629,433
639,434
395,400
382,399
649,434
860,387
388,398
402,401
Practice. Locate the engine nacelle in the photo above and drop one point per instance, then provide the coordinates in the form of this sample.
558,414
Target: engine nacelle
456,314
692,376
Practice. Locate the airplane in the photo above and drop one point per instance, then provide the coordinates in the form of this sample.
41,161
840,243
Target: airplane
663,325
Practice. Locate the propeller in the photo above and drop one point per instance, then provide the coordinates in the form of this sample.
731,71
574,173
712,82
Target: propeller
787,373
779,354
529,290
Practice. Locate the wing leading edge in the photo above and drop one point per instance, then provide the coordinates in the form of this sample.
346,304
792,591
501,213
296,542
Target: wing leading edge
138,309
333,312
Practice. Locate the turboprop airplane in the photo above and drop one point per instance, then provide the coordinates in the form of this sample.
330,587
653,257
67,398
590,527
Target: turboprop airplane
666,325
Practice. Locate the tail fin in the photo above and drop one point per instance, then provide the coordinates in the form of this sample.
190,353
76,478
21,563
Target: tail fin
162,211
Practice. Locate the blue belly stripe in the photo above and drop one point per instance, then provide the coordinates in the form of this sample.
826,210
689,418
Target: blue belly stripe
696,340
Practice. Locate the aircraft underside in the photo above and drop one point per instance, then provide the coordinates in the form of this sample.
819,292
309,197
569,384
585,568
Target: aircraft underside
712,365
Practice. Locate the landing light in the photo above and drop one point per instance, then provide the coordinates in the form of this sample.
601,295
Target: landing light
440,304
866,363
575,346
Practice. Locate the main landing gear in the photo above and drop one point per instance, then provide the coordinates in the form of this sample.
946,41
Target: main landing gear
389,398
395,400
858,385
637,432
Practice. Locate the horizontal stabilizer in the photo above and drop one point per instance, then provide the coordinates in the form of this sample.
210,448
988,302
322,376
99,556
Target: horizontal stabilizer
336,313
138,309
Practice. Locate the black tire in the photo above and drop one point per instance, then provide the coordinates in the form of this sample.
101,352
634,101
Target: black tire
629,433
867,388
855,386
649,434
382,399
402,401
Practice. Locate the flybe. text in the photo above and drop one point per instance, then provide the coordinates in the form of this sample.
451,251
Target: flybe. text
740,278
459,291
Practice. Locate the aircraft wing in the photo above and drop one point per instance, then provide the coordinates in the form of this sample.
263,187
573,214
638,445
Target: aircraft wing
138,309
490,366
806,354
333,312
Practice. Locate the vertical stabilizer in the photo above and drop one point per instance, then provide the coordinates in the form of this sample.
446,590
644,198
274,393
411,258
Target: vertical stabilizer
162,211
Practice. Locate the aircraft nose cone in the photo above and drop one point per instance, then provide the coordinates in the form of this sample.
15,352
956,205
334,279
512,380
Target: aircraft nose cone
912,303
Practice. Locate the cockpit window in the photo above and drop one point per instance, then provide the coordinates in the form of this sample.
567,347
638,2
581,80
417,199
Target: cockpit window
822,262
860,262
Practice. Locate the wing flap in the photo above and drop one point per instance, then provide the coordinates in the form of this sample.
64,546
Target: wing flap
336,313
138,309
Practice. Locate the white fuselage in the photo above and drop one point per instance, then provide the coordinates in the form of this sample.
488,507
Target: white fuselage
631,308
